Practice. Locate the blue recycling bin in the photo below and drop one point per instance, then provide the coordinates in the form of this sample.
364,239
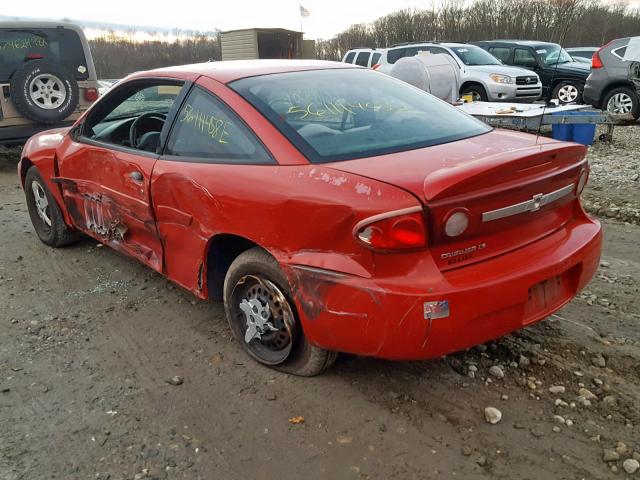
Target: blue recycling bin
583,133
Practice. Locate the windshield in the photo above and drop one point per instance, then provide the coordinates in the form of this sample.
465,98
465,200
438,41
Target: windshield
553,54
472,55
341,114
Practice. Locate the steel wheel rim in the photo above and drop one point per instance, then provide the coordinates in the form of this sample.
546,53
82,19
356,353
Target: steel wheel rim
620,103
42,203
568,93
264,319
47,91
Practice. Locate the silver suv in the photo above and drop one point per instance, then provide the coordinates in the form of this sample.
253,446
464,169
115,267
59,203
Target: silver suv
608,86
482,74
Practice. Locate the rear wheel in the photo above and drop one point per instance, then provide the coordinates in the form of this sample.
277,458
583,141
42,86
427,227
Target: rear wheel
263,317
45,215
622,101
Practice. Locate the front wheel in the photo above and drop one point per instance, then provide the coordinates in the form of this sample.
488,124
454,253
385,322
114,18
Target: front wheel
45,215
264,320
567,92
478,93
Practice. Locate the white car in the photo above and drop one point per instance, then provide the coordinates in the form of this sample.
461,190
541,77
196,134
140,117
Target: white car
483,75
365,57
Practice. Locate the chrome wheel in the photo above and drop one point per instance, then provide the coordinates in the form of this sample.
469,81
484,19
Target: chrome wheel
47,91
42,203
264,315
568,93
620,103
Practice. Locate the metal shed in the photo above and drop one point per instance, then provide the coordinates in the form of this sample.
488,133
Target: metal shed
253,43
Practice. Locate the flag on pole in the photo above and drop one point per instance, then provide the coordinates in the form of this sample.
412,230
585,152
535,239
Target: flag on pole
304,12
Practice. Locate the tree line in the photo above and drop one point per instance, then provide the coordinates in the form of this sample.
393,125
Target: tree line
569,22
116,56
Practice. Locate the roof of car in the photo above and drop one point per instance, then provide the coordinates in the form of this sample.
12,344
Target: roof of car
229,70
526,43
19,24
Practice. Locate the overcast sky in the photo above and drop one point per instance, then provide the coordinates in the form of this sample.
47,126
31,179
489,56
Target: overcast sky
328,17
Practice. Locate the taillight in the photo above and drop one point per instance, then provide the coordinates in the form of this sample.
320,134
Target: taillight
375,67
91,94
596,62
399,230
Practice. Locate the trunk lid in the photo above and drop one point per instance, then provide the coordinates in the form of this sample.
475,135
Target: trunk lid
513,190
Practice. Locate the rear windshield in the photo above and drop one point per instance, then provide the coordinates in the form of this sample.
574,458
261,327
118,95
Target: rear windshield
57,45
342,114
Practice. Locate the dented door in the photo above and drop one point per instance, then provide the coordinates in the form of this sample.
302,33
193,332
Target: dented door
106,192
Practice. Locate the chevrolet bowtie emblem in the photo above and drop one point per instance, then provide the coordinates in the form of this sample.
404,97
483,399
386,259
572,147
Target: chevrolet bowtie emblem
536,202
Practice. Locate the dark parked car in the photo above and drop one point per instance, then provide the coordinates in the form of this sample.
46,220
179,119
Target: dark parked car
609,86
561,77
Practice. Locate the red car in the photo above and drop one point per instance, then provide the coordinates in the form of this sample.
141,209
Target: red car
332,208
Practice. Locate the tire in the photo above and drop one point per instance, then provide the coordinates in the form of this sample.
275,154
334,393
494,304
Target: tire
251,278
44,92
568,92
50,228
477,91
622,96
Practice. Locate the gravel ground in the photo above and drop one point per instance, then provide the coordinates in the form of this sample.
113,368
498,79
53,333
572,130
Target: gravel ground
615,176
109,372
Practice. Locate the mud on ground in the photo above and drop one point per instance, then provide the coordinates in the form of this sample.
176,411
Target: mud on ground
90,343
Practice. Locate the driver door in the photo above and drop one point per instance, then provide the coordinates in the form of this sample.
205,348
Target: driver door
105,179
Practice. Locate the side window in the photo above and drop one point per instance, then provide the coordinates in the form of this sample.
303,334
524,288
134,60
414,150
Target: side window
413,51
146,104
524,58
363,59
375,58
439,50
349,57
395,54
501,53
619,52
206,128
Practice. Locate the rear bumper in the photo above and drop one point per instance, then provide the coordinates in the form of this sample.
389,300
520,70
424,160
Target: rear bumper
487,300
592,95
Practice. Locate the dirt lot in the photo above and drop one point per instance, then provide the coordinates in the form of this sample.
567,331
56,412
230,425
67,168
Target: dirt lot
90,341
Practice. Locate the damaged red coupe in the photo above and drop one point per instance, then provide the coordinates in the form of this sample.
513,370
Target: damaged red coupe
332,208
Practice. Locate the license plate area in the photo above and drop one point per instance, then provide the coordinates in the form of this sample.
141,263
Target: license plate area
548,295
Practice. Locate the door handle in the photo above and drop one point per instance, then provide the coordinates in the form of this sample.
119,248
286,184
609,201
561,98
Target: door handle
136,176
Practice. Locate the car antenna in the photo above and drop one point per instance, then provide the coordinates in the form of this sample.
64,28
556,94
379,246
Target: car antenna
555,69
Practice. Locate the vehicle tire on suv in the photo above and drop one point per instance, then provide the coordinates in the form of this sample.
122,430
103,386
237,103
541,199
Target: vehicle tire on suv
622,100
44,92
568,92
263,318
477,91
44,212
